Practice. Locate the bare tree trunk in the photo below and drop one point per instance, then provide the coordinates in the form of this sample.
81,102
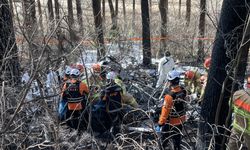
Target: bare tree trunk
163,7
58,31
116,7
202,23
50,10
124,14
96,5
40,16
133,17
179,13
10,67
30,25
188,12
79,15
146,33
103,11
113,15
71,21
228,37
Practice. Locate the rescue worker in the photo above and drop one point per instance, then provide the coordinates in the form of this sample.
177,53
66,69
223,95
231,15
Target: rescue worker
206,64
75,93
173,113
166,64
96,81
192,82
66,75
241,122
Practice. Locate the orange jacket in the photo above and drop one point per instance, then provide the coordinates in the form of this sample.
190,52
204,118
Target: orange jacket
83,88
167,107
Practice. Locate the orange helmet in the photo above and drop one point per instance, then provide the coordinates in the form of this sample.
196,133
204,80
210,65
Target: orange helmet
207,63
189,74
96,68
80,67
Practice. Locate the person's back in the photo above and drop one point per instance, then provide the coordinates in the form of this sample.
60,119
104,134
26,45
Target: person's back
75,93
241,123
173,112
166,64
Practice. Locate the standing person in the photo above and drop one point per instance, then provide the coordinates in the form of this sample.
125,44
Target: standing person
241,122
75,93
166,64
173,113
206,64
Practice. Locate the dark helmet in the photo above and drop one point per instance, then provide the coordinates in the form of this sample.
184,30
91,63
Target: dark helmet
167,53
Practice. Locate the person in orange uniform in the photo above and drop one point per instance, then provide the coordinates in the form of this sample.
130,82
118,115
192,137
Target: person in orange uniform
173,113
75,93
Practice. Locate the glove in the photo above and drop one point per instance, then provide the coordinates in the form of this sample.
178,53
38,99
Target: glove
158,128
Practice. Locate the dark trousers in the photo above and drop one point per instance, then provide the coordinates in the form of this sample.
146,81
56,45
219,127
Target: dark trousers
77,119
172,132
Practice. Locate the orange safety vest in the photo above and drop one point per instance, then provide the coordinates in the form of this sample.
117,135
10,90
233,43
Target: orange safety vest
173,111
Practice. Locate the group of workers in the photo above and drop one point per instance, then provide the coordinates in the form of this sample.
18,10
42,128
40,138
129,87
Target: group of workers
105,86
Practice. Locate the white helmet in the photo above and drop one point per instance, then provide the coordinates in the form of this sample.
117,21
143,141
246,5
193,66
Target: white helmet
111,75
74,72
67,70
173,75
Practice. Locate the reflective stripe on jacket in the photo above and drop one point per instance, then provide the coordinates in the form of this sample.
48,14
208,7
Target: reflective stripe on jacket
173,111
241,106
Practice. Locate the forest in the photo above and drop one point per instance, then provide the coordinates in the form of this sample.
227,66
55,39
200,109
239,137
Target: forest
44,41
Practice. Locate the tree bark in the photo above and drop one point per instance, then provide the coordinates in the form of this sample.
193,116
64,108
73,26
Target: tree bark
133,17
103,11
146,33
71,21
179,12
96,5
228,37
188,12
202,23
40,16
113,13
124,13
58,31
79,15
50,10
163,7
10,67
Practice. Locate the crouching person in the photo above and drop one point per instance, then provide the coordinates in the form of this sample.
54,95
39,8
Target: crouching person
75,94
173,113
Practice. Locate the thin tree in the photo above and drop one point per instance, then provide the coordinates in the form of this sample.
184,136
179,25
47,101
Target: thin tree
40,16
58,31
50,10
10,67
103,11
79,14
202,24
179,12
146,33
113,13
96,5
188,11
163,7
133,17
124,13
228,37
71,20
